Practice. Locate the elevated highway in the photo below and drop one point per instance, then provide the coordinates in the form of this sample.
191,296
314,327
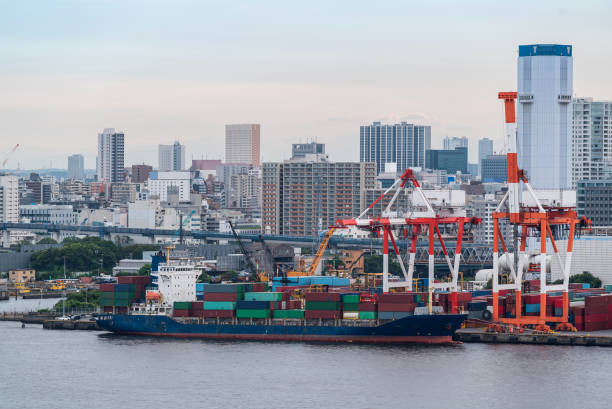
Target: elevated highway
474,256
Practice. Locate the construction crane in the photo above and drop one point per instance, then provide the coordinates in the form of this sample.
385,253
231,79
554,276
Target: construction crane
179,232
6,158
317,258
263,276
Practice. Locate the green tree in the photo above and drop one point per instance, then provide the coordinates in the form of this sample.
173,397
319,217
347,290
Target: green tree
586,277
145,270
83,300
80,255
47,240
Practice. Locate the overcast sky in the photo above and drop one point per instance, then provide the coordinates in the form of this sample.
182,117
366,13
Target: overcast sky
161,71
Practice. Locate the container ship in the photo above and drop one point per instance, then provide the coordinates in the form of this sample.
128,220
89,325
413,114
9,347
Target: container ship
310,309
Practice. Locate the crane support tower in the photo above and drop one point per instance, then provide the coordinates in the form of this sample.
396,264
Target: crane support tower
390,225
536,220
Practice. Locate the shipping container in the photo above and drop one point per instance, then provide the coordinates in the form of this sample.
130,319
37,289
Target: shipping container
217,313
350,307
182,305
263,296
248,313
289,314
221,296
350,299
219,305
321,314
367,315
350,315
333,297
252,305
322,305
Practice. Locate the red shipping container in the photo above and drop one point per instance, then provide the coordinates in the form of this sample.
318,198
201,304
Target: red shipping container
217,313
108,309
322,314
259,287
180,313
367,306
395,307
334,297
197,305
107,287
220,297
121,310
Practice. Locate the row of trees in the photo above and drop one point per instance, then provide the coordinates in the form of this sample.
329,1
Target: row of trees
89,254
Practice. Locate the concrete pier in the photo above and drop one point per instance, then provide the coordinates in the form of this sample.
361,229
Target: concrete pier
599,338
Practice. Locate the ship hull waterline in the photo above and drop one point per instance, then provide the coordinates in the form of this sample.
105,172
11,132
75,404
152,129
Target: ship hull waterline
426,329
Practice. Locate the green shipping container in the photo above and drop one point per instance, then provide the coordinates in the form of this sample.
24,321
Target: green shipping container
124,295
350,299
121,303
252,313
182,305
288,313
104,302
322,305
350,307
259,296
367,315
219,305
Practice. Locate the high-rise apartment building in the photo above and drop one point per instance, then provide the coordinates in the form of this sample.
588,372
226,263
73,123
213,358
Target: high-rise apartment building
404,144
9,199
544,117
171,157
300,150
242,144
494,169
300,198
75,167
160,183
109,163
591,140
455,142
485,149
140,173
594,201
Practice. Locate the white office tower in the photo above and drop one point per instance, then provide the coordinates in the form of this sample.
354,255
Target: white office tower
75,167
242,144
591,140
171,157
9,199
109,163
449,144
545,85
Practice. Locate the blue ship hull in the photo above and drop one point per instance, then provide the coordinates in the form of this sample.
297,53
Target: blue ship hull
424,329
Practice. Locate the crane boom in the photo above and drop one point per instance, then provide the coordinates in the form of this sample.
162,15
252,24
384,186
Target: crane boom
320,251
252,267
6,158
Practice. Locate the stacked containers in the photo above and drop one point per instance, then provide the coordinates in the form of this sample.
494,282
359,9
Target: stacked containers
139,282
350,306
367,309
322,306
181,309
576,313
253,309
396,306
220,299
596,313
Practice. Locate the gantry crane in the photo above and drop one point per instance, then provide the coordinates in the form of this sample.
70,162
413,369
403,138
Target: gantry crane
535,218
412,224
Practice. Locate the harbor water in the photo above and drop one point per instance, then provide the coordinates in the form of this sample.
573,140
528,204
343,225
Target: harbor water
76,369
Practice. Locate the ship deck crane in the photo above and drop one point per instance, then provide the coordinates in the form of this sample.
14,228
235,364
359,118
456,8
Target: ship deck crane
535,218
412,224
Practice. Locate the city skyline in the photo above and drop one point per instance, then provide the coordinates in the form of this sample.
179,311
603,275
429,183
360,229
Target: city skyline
162,84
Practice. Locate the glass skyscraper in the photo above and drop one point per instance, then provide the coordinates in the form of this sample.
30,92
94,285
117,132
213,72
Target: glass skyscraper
404,144
544,117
